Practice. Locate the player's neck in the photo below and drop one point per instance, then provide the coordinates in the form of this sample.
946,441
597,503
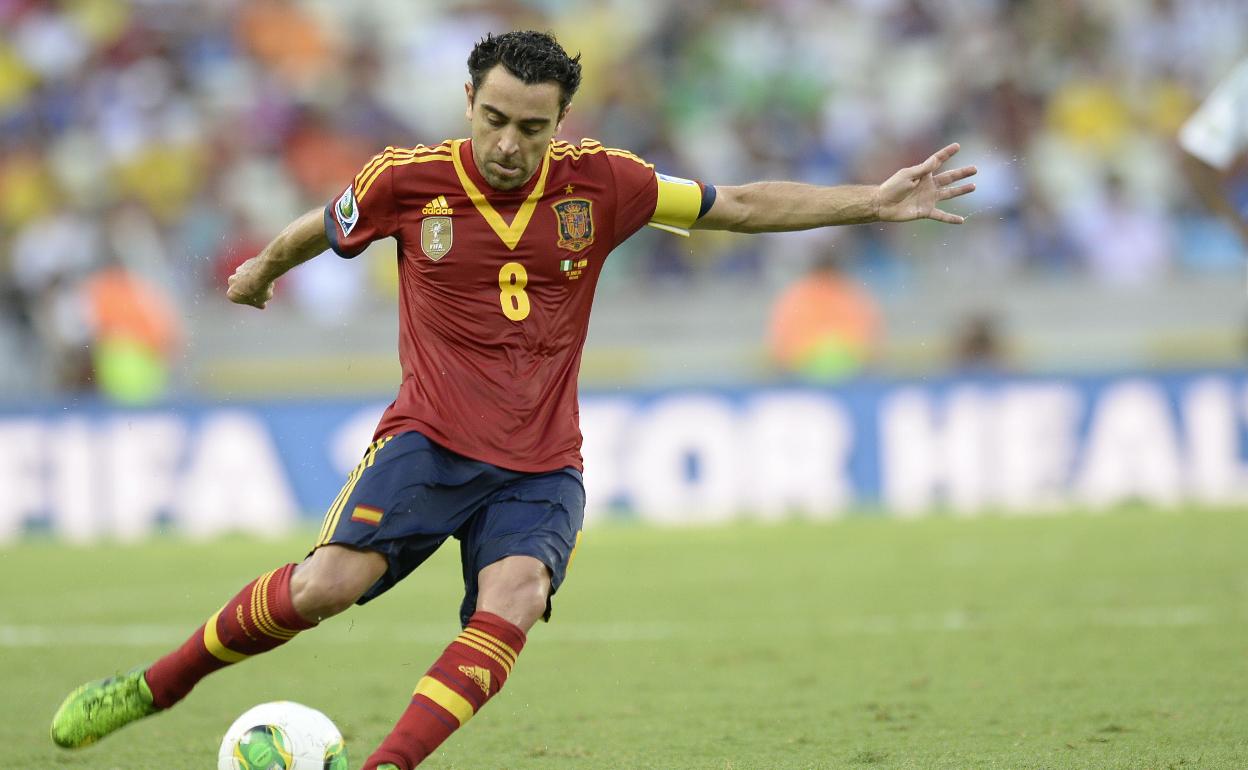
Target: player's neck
469,159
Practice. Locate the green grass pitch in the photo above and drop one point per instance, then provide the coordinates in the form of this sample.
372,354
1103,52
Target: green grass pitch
1077,641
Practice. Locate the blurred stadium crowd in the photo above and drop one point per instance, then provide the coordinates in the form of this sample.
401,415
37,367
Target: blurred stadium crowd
170,139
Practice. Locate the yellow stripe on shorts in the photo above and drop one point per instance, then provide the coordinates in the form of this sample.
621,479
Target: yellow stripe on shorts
330,522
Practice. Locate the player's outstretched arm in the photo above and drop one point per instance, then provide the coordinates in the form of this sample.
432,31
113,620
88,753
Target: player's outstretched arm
252,283
914,192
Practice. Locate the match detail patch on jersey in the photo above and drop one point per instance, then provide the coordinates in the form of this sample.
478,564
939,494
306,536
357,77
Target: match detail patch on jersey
436,237
346,211
576,223
572,268
438,206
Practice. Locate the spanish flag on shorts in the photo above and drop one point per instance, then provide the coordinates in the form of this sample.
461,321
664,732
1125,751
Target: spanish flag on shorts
366,514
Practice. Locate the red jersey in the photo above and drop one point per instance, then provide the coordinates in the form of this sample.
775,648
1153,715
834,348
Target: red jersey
495,288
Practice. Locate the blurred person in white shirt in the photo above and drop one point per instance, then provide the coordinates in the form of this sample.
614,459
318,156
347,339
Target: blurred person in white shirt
1123,242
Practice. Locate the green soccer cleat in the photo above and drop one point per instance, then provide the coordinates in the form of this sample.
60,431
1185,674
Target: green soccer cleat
98,708
387,766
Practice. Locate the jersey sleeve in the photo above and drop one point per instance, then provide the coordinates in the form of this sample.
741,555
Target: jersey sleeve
1218,131
646,197
366,211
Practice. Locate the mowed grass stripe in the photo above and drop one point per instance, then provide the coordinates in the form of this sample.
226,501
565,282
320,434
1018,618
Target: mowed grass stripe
572,632
1109,641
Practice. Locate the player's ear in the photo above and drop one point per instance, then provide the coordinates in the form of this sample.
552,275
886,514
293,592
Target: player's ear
471,95
562,115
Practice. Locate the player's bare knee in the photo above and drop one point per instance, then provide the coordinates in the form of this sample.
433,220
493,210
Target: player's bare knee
318,595
519,596
522,608
329,582
530,596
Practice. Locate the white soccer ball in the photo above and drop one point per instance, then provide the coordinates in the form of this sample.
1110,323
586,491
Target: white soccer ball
282,735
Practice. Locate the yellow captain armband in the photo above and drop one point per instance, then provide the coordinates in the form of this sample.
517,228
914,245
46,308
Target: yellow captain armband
679,205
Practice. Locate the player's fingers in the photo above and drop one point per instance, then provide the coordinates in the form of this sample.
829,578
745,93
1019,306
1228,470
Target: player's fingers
946,217
945,193
925,168
238,298
937,159
951,176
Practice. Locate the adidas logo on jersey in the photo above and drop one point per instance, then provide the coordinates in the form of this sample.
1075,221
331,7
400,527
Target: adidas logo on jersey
438,206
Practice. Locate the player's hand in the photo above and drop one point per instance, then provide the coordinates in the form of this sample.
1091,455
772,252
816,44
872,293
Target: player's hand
247,286
913,192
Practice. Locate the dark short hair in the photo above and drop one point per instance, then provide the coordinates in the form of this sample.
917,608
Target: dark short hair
533,57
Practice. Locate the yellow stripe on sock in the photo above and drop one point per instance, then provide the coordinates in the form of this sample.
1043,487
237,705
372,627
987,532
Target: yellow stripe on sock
268,624
445,697
468,641
253,602
213,643
493,641
260,608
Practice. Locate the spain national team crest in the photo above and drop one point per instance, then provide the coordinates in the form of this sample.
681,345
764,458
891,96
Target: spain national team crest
436,237
576,223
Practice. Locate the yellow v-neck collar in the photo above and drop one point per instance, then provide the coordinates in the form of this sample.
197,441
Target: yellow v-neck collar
510,234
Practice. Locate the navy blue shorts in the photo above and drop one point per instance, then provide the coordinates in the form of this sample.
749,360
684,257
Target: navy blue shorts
408,495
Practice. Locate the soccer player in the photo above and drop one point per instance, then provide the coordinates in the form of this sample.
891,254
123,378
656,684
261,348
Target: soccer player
502,238
1215,144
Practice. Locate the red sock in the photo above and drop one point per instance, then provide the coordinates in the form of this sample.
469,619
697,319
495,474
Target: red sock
470,672
259,618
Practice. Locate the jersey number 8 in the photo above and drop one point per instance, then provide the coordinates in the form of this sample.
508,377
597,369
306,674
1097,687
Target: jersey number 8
512,278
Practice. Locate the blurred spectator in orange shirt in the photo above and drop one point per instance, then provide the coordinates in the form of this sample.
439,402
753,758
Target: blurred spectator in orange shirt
826,326
287,38
136,331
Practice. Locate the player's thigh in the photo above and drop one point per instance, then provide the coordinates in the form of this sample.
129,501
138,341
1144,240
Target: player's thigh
539,516
404,499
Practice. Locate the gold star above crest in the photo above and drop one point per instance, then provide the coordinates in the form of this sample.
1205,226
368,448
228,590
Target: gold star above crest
567,190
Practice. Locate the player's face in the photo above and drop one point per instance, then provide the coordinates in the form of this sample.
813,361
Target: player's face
512,125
